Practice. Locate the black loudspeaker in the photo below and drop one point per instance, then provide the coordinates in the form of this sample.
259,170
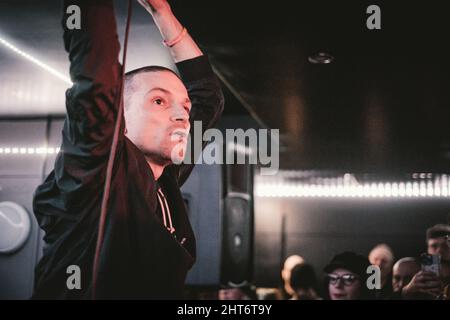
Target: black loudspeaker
237,226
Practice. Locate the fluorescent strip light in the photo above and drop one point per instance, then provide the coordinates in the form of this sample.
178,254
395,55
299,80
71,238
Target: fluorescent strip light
28,150
35,61
386,190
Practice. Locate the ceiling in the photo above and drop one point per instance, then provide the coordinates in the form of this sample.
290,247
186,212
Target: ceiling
383,104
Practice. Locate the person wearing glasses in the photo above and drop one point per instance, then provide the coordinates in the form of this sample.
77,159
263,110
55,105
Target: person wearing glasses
346,277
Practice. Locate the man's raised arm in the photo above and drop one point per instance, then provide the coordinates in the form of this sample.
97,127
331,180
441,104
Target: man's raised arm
195,70
95,71
170,29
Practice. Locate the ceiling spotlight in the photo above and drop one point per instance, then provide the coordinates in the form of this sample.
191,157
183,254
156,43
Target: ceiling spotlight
321,58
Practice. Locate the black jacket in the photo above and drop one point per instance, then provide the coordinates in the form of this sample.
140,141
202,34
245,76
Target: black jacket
140,258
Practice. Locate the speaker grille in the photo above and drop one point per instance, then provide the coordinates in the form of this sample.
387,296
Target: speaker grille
237,253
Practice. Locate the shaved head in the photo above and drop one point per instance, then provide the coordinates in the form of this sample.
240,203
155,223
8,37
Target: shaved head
288,265
131,77
403,271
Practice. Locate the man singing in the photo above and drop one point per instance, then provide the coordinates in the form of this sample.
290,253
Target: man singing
148,243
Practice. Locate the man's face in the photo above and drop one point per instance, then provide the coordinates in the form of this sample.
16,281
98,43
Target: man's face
403,273
439,246
157,116
380,258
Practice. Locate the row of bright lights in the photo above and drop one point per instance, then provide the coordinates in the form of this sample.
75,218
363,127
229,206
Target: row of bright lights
29,95
23,150
374,190
35,61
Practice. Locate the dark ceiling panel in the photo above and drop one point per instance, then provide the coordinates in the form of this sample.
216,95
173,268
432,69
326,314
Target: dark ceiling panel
382,105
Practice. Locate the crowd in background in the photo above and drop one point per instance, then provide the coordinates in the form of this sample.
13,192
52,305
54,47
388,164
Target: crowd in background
347,277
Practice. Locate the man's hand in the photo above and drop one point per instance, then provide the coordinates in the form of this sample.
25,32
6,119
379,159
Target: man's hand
424,283
170,28
154,6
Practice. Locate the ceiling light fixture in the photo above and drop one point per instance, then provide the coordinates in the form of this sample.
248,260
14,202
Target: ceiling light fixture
32,59
321,58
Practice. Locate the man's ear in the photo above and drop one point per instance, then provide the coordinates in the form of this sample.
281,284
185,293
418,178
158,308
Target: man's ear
125,131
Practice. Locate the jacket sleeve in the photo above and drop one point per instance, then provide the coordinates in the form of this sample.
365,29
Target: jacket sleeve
91,101
207,101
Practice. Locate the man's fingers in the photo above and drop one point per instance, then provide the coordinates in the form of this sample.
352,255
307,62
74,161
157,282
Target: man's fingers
433,284
420,285
429,293
434,292
428,274
429,284
426,277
